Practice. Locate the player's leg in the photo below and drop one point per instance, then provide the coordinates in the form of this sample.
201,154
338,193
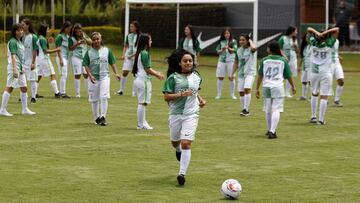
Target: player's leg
104,98
315,86
229,67
241,82
77,70
325,92
175,124
220,74
6,95
249,80
339,76
94,97
127,68
23,95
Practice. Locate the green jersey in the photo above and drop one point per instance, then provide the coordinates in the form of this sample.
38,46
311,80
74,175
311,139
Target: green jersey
287,44
246,61
306,64
80,50
144,62
226,56
176,83
321,54
42,46
15,47
130,41
274,69
98,61
62,41
190,46
30,45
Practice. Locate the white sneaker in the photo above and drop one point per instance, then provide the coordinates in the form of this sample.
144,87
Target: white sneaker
218,97
3,112
144,127
77,96
233,97
288,96
27,112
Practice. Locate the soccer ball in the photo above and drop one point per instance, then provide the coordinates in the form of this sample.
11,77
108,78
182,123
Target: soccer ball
231,189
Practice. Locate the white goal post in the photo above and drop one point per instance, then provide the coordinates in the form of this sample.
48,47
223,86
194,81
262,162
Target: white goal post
178,2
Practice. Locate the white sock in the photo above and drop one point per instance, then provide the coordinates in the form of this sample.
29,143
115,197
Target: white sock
242,100
268,120
23,96
122,84
232,88
5,100
77,87
86,82
63,84
304,90
95,109
323,106
275,117
184,161
104,106
141,115
314,103
133,90
33,89
339,90
54,86
219,87
287,89
247,99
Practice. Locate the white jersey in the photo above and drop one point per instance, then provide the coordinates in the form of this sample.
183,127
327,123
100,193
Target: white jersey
274,70
143,62
29,42
246,62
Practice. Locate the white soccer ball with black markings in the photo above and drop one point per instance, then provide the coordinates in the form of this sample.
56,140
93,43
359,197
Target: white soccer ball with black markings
231,189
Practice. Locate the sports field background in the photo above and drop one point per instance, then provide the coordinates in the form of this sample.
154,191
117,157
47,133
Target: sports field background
59,155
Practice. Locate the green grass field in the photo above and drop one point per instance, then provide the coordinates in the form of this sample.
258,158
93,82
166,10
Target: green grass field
59,155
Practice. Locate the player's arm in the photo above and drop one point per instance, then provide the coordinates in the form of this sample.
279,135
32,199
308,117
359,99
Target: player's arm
86,64
112,63
252,46
259,79
202,101
155,73
126,46
313,31
220,50
73,46
13,49
235,67
333,31
58,42
287,75
34,52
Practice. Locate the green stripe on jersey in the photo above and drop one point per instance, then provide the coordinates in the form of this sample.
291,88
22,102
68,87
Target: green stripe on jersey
98,62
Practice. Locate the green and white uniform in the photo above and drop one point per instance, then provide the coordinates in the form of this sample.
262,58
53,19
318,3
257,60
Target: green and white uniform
15,47
189,45
130,41
247,68
77,56
226,59
274,69
30,45
43,62
62,41
287,44
142,83
184,111
321,59
98,62
306,64
336,65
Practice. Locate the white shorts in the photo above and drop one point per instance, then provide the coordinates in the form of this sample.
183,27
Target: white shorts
337,70
245,83
128,64
31,75
293,67
16,82
143,90
321,83
99,90
77,66
222,68
44,67
273,105
305,75
183,127
64,69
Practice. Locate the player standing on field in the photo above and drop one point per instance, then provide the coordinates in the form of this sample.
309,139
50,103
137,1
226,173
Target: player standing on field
246,62
226,49
273,69
62,41
321,76
181,92
96,61
128,56
78,45
338,74
305,52
289,47
15,71
190,43
142,71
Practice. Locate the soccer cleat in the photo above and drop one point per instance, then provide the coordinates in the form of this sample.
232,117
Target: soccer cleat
33,100
39,96
301,98
27,112
338,103
288,96
119,93
3,112
19,100
103,121
218,97
178,155
144,127
272,135
313,120
57,95
65,96
233,97
98,121
181,179
77,96
245,113
267,133
321,122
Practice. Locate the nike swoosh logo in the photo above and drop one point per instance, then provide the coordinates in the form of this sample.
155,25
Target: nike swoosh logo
209,42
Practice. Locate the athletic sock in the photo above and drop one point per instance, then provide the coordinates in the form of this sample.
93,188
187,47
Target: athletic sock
268,120
122,83
304,90
77,87
63,84
184,161
314,103
232,88
104,106
219,86
323,106
141,115
23,96
33,89
95,109
86,83
5,100
338,93
242,101
247,99
54,86
275,117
